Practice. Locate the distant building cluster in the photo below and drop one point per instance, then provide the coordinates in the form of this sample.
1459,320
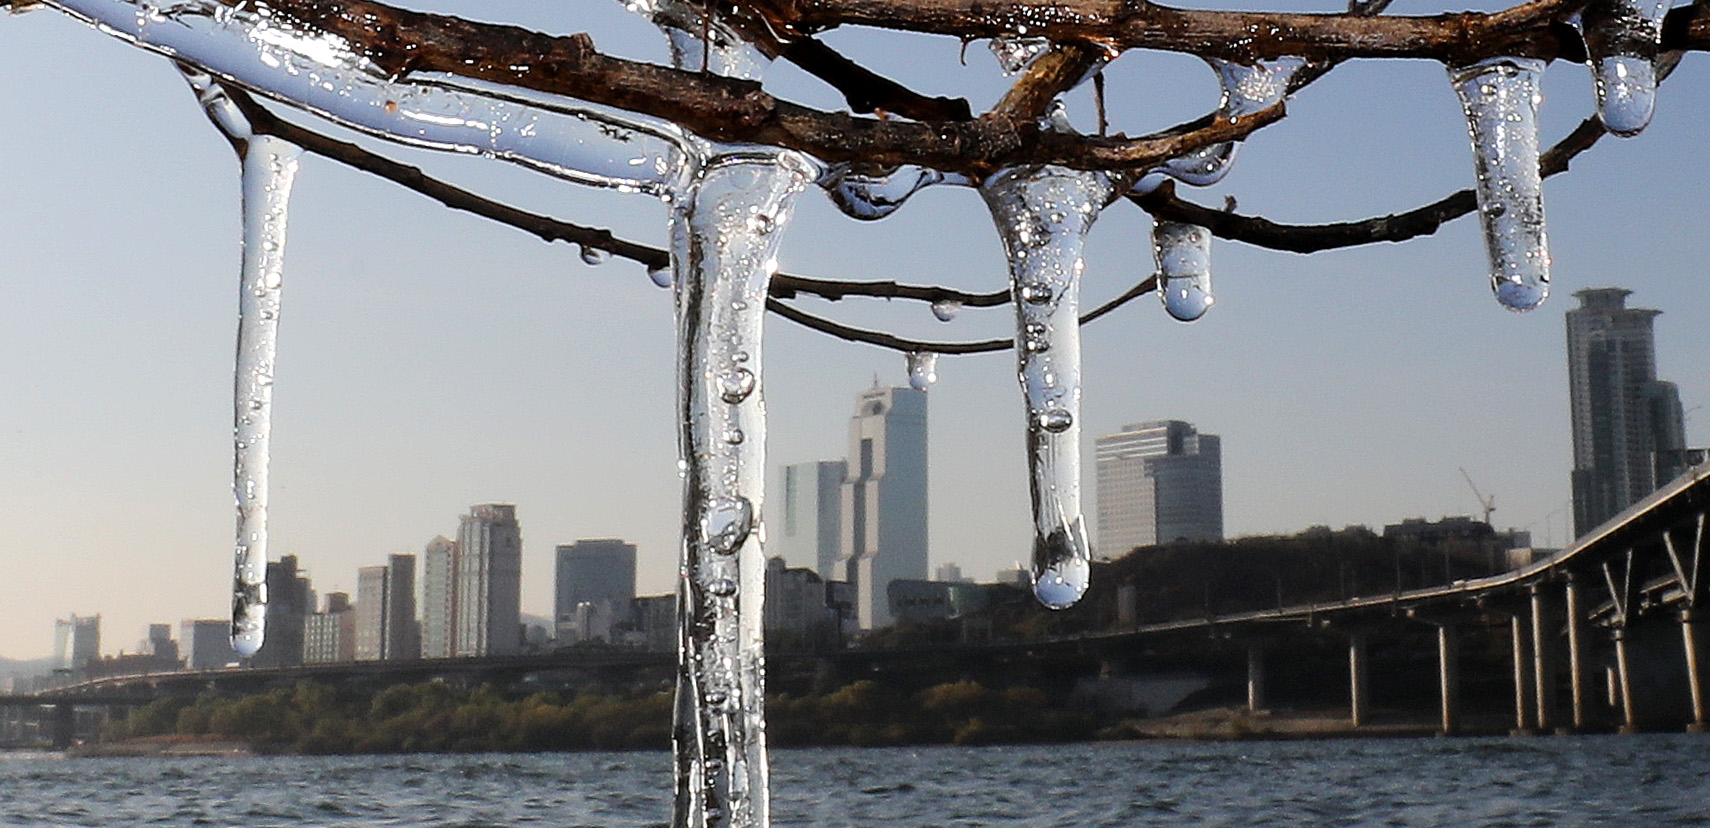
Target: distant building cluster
1158,482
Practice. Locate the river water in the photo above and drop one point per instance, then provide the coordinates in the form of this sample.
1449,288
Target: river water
1650,781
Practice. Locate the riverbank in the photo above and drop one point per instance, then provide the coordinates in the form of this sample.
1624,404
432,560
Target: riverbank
173,745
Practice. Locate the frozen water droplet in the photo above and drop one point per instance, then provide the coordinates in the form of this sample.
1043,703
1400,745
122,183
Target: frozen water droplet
1626,94
735,386
660,276
922,369
1247,90
1062,566
1500,97
733,436
872,197
1623,39
722,587
946,309
1036,293
1036,337
760,223
594,255
1015,53
1183,256
726,523
1054,420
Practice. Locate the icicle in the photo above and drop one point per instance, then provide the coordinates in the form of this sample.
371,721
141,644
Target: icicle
1501,98
1043,215
945,310
321,73
1015,52
872,197
1183,255
1247,90
269,169
1623,39
922,369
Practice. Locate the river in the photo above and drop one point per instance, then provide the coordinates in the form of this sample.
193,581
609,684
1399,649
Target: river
1650,781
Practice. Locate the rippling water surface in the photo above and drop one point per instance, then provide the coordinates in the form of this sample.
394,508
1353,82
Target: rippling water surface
1648,781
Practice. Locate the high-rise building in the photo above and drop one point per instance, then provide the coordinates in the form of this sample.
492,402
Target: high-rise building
76,641
883,511
290,600
159,642
330,636
209,641
1629,435
439,598
807,525
1158,481
489,582
386,625
599,573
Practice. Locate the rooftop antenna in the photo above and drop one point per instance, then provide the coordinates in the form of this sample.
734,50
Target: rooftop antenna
1486,503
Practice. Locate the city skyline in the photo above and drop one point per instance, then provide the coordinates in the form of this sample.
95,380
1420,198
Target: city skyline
1355,383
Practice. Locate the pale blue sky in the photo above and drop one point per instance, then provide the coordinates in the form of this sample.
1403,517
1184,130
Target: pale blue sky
430,360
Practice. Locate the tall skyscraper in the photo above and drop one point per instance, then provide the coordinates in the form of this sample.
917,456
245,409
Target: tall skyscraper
1158,481
597,572
439,598
290,600
330,636
1629,435
386,627
489,582
76,641
884,499
806,528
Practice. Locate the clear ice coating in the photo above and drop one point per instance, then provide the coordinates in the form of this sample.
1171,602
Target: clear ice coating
1043,215
1500,97
872,197
1623,40
570,139
922,369
269,168
1182,253
1247,90
1016,52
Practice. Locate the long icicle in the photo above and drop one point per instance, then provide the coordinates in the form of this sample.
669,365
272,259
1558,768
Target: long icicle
269,169
1043,215
725,232
1501,97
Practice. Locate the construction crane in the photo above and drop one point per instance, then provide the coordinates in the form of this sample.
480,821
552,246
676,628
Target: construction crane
1486,503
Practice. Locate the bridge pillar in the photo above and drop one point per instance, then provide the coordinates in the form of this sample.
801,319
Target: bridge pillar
1522,686
1359,680
1449,677
1694,669
1255,677
64,726
1624,683
1543,659
1576,653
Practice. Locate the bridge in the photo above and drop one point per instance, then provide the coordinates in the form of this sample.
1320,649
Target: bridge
1631,584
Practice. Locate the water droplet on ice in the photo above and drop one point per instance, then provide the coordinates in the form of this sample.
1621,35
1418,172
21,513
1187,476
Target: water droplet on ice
660,276
735,386
726,523
594,255
922,369
1036,293
1054,420
733,436
872,197
722,587
946,309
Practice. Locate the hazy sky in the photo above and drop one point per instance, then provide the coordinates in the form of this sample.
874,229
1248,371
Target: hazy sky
430,360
